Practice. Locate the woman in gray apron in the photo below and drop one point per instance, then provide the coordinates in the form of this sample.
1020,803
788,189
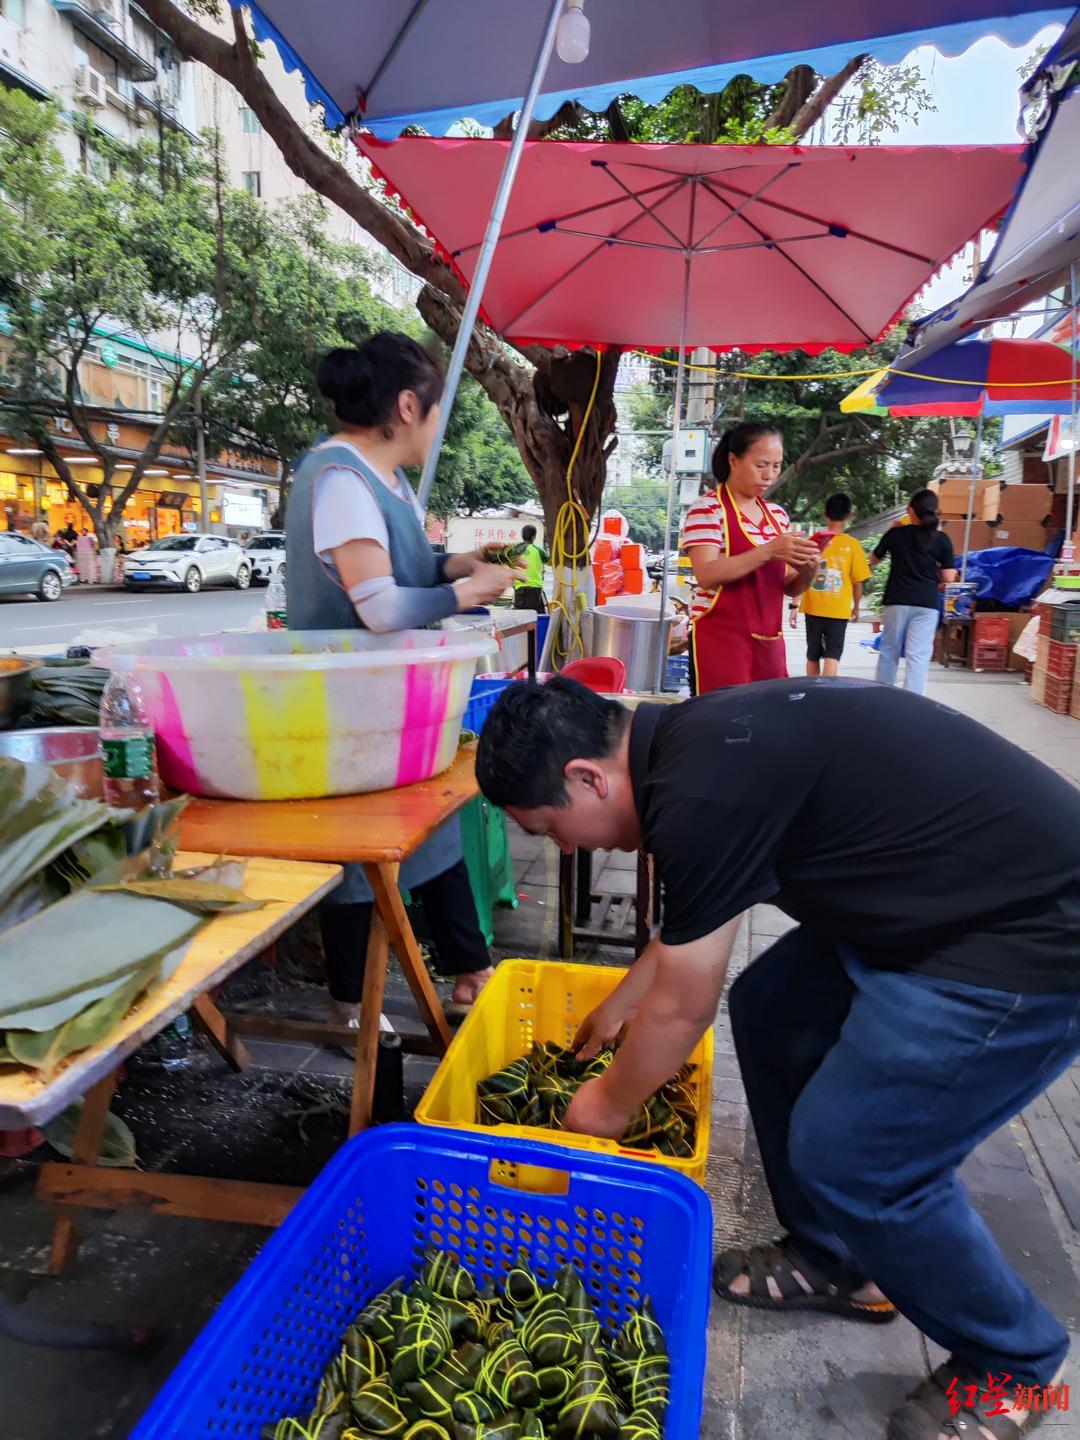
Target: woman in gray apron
357,555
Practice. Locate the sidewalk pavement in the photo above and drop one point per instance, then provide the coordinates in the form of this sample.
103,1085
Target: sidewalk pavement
769,1377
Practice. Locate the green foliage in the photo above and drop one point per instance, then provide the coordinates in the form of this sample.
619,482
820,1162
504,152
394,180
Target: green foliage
644,503
480,467
153,245
885,97
308,295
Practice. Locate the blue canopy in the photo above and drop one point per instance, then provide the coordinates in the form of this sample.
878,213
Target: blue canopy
1040,236
430,62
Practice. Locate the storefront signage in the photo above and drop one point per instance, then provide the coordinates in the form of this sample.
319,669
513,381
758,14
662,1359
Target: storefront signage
242,509
171,500
109,354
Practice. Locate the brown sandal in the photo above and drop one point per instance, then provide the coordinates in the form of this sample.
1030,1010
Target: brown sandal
781,1264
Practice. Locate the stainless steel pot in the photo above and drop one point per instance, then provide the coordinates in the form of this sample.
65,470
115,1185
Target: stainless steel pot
15,689
634,635
70,750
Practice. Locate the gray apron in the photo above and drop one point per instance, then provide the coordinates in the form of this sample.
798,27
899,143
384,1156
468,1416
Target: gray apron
316,600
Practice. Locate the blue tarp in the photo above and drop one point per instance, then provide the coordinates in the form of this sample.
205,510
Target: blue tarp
1009,575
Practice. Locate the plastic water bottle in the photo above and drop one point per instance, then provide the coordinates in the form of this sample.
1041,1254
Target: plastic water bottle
276,601
127,748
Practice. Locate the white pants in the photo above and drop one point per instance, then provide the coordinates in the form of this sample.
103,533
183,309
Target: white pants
907,630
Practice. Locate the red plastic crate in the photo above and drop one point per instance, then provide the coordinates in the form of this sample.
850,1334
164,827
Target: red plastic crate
1064,623
1061,659
1046,618
990,657
1058,695
991,630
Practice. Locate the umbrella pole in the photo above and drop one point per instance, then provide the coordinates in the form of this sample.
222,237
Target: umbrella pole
680,381
976,468
487,248
1070,494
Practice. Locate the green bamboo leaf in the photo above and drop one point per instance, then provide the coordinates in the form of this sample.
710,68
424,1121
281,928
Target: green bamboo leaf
84,940
44,1050
196,895
118,1148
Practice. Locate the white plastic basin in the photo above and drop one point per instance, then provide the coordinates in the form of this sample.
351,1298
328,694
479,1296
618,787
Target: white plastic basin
292,715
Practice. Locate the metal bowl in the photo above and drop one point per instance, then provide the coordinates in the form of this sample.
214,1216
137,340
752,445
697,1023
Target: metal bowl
71,750
15,689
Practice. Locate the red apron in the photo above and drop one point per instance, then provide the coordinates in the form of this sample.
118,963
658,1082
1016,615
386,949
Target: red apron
740,637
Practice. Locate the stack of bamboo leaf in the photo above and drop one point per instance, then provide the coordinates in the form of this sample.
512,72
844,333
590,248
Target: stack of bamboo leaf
536,1090
65,692
90,913
444,1360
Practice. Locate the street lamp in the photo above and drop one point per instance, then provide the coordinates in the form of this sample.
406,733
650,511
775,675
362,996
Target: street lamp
962,444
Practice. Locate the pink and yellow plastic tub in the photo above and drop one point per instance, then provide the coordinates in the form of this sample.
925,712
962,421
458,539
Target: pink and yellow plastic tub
297,715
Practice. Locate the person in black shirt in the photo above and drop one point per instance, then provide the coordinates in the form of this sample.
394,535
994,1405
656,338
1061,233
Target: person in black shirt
921,559
930,991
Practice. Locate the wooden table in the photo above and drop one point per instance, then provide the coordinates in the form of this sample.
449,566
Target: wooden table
377,831
221,947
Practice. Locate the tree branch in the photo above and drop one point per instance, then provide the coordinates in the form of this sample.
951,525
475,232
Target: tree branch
798,87
811,111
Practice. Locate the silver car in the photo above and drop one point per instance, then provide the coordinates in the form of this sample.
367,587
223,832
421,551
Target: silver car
189,562
266,554
27,567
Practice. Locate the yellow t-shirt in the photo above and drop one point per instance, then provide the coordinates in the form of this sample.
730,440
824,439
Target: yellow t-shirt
843,565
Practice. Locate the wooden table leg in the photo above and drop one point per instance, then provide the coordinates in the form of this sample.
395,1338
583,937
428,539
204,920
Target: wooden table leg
209,1019
85,1148
583,897
367,1039
383,880
642,905
566,906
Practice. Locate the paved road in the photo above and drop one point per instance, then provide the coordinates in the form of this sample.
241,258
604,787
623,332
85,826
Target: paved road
78,616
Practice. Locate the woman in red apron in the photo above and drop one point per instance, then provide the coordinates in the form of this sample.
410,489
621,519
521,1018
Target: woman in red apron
745,562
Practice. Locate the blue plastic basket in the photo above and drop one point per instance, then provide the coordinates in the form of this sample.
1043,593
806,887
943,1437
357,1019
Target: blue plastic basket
631,1229
486,689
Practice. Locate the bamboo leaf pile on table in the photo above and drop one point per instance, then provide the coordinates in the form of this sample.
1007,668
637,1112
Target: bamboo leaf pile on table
535,1090
90,916
543,1368
65,692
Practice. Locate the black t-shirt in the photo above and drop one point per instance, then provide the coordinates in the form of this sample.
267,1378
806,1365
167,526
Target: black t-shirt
875,817
915,561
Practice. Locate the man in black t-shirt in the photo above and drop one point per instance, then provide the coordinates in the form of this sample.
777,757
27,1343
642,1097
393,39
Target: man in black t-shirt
931,991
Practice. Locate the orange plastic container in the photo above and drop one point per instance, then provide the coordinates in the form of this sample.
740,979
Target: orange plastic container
632,556
633,582
601,552
529,1000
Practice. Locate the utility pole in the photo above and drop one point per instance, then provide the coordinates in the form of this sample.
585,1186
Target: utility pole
700,409
200,461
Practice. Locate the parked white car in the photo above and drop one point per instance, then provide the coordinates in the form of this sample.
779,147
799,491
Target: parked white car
189,562
266,554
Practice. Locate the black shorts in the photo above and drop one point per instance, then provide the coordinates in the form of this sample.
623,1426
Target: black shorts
824,637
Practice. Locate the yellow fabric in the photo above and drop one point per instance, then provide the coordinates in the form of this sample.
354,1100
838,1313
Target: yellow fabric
843,566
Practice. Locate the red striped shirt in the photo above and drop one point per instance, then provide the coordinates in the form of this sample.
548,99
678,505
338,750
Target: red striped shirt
706,525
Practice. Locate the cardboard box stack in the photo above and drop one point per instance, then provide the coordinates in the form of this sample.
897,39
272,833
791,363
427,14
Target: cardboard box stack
1026,518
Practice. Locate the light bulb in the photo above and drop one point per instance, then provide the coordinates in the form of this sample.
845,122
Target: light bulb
572,39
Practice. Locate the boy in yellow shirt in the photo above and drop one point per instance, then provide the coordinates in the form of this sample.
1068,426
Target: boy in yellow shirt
834,596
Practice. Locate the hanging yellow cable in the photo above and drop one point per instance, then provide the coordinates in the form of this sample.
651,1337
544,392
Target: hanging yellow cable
853,374
568,600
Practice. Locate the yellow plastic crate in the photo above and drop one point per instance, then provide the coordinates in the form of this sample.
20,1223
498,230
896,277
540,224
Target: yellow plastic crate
529,1000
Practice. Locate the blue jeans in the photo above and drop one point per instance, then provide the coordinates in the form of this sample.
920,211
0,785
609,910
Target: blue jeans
907,630
867,1089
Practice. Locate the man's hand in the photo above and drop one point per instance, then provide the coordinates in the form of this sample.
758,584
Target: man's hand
601,1027
591,1113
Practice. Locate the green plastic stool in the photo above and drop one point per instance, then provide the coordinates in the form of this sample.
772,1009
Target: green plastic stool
486,843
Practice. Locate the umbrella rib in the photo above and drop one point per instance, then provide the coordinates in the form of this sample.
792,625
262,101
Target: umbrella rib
817,220
602,244
560,229
531,229
778,246
792,165
766,243
395,45
647,210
